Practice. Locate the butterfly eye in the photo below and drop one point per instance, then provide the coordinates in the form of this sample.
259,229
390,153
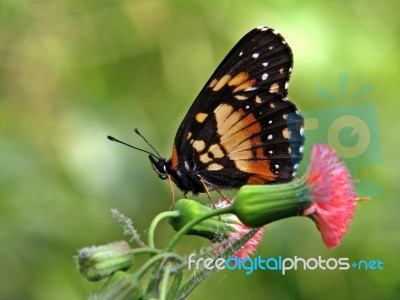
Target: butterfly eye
160,166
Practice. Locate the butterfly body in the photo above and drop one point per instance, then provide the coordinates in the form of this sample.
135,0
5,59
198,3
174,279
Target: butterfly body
186,179
242,128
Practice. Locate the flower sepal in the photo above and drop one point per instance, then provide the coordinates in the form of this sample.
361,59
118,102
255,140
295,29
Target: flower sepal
215,228
258,205
98,262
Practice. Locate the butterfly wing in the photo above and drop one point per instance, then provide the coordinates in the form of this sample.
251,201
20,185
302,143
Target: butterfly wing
242,129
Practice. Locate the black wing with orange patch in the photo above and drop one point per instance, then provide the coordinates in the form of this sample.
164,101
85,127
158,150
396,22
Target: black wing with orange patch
242,128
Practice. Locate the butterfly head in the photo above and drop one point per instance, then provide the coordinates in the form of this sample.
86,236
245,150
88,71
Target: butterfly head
160,165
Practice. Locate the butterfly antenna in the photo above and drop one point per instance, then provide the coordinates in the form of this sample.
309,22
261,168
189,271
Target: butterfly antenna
147,142
123,143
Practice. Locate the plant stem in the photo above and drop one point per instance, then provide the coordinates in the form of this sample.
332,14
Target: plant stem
164,283
153,260
155,222
145,250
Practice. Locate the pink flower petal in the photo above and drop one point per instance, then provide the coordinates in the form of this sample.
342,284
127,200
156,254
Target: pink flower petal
333,195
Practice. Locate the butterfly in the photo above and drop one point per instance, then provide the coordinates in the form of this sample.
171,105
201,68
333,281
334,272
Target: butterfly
242,128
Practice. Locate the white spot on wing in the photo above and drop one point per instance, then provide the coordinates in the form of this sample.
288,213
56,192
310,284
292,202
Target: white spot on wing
265,64
255,55
277,166
264,76
270,137
275,31
270,122
262,28
286,85
301,149
270,151
241,53
302,131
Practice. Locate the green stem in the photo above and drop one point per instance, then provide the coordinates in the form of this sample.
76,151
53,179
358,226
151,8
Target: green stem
164,283
155,222
188,226
145,250
155,259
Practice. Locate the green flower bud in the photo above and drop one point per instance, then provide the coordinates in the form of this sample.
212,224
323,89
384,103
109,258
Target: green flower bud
98,262
122,286
257,205
214,228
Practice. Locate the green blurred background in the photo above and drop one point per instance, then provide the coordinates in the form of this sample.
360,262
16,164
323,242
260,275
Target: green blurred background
72,72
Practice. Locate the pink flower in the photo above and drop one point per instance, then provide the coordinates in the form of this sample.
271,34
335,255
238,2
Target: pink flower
333,195
239,231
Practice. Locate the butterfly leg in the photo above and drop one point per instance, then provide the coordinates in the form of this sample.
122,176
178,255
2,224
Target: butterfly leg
225,197
172,191
208,192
